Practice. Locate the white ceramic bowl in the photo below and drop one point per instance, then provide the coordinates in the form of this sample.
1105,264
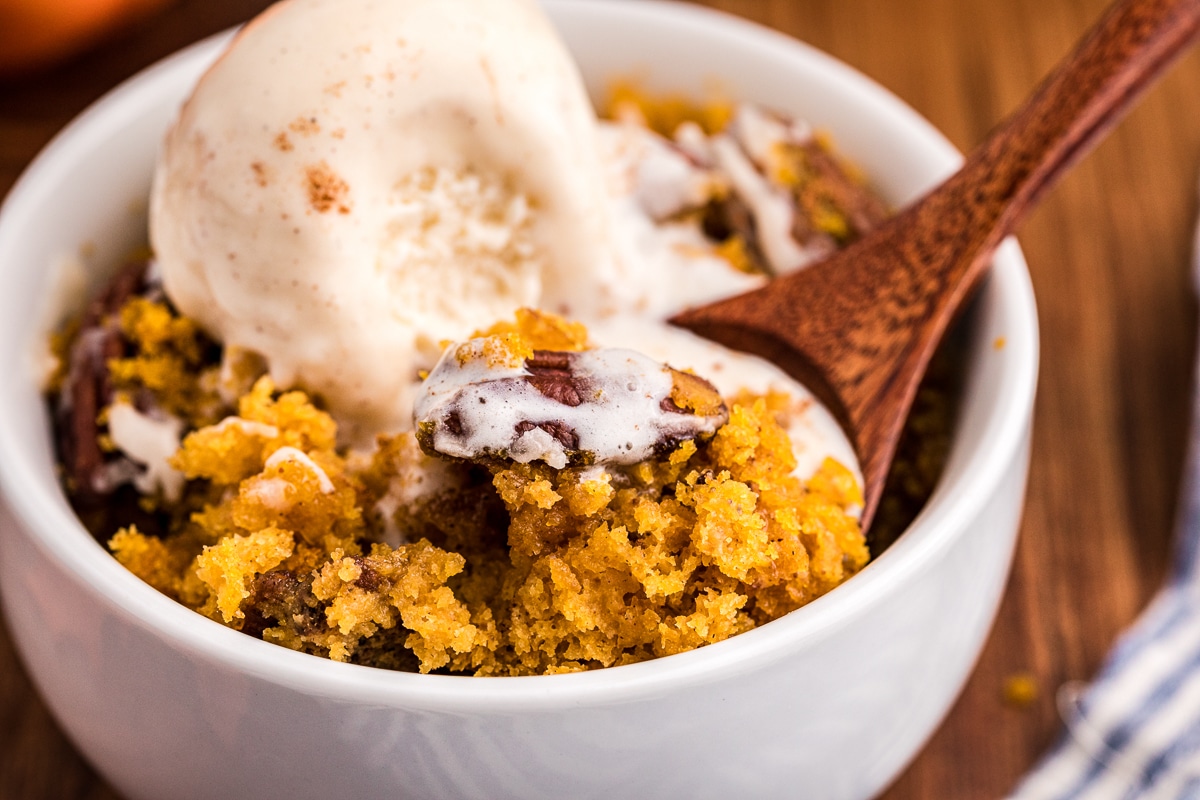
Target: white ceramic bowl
828,702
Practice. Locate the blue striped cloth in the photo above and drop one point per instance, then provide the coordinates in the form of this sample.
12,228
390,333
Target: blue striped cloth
1135,731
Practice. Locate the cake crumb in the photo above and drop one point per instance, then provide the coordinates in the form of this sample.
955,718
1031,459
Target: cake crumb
1020,690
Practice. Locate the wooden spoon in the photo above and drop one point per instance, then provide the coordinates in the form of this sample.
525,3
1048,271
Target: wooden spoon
859,328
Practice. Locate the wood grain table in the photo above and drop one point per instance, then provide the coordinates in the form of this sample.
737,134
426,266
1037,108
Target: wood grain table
1109,252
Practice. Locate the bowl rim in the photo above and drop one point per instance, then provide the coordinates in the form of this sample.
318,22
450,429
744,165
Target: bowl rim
43,515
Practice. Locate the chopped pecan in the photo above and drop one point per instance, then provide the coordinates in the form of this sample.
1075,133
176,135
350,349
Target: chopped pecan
550,363
453,423
561,432
550,373
254,623
368,577
87,389
281,598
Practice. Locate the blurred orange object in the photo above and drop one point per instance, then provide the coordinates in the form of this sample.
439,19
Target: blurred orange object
37,33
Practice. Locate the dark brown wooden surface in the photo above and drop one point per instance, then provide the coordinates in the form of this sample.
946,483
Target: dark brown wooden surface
1109,251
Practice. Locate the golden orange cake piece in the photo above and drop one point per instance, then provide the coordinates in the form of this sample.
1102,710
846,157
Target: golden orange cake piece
409,561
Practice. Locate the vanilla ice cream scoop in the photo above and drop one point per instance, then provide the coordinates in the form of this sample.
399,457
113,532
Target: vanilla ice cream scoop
357,180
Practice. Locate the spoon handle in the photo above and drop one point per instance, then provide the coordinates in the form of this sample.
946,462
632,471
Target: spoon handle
913,278
924,265
1070,111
